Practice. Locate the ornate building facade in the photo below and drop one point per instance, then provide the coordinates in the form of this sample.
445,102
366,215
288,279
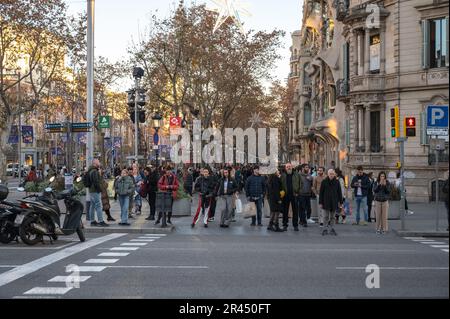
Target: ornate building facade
358,60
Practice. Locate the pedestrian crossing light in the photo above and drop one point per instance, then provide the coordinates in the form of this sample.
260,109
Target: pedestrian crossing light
395,122
410,126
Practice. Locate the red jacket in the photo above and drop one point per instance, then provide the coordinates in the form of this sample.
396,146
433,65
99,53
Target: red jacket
32,177
163,185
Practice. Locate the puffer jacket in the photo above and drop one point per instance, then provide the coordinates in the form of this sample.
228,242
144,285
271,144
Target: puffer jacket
255,186
205,186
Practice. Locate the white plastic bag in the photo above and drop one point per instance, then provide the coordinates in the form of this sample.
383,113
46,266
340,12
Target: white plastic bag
238,206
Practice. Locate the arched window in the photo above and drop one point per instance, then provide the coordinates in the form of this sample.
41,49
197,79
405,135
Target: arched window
307,114
306,78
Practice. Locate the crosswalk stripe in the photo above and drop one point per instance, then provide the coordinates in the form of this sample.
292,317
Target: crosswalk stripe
143,240
48,291
156,235
439,246
69,278
90,268
133,244
124,248
113,254
414,238
434,243
101,261
145,237
446,250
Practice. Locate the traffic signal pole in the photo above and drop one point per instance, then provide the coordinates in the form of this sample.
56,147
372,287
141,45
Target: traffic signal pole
136,120
401,141
90,80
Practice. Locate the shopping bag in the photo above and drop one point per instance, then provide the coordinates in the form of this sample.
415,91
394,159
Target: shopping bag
266,208
238,206
249,210
373,210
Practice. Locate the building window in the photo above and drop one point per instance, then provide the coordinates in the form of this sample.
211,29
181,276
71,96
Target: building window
346,61
375,132
307,114
375,46
435,43
297,123
306,78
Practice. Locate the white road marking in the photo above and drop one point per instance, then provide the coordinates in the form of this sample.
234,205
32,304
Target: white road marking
133,244
395,268
124,248
423,241
446,250
142,240
9,266
434,243
90,268
69,278
164,267
113,254
156,235
101,261
26,269
414,237
145,237
439,246
38,248
48,291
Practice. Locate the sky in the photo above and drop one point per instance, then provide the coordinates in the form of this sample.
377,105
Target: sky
117,22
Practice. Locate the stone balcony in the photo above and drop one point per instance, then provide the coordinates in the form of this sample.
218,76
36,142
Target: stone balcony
364,83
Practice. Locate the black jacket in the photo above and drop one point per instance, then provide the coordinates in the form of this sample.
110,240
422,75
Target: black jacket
255,186
205,186
231,189
151,182
188,182
274,189
365,184
94,177
381,192
330,194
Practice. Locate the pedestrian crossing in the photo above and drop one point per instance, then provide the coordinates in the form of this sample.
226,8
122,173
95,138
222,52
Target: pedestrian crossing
93,265
441,243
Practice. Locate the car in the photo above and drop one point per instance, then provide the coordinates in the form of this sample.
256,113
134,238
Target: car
12,169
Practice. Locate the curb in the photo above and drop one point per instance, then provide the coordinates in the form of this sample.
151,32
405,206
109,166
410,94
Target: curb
412,233
155,230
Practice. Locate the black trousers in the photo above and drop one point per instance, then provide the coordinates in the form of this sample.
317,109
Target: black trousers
369,208
152,203
290,201
212,209
304,203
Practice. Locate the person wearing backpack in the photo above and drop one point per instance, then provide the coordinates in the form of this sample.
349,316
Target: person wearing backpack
93,182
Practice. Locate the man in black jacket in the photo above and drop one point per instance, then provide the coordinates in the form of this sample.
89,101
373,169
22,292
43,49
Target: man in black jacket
360,184
330,200
151,185
255,188
226,189
205,186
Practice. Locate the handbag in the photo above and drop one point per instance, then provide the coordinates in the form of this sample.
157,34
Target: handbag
266,208
249,210
238,206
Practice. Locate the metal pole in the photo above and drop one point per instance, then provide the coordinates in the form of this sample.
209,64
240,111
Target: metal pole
436,165
136,120
90,79
19,145
401,141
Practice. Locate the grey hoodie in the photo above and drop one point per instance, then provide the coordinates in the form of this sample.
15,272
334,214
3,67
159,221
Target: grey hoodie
306,182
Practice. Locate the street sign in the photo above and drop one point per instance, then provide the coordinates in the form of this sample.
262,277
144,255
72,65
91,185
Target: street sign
175,121
55,127
104,121
81,127
437,120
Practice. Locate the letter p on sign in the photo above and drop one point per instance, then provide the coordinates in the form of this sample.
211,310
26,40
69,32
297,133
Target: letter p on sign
436,115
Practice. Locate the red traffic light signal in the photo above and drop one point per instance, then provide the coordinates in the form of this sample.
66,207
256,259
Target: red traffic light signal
410,122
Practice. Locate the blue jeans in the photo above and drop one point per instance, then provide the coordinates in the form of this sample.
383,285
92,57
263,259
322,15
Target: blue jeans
258,204
124,201
361,200
96,205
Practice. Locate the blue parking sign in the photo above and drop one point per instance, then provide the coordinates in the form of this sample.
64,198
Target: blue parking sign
437,116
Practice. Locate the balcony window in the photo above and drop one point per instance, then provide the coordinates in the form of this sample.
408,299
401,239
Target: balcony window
307,114
375,46
375,132
435,43
306,78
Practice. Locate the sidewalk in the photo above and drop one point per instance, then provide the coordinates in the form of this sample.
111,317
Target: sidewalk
423,222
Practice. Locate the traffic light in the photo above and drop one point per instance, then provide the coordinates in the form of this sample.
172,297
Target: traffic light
410,126
141,116
395,122
132,114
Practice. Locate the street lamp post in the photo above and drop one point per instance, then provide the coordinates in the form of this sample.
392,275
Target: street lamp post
138,73
90,79
19,144
157,123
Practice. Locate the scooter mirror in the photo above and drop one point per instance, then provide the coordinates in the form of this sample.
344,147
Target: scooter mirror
48,190
20,189
52,179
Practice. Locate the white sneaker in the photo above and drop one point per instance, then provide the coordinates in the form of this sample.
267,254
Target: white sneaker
310,221
410,212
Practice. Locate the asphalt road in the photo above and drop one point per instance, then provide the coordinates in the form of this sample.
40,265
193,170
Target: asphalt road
241,262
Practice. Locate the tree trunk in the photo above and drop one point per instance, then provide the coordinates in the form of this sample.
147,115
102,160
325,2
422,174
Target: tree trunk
4,136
